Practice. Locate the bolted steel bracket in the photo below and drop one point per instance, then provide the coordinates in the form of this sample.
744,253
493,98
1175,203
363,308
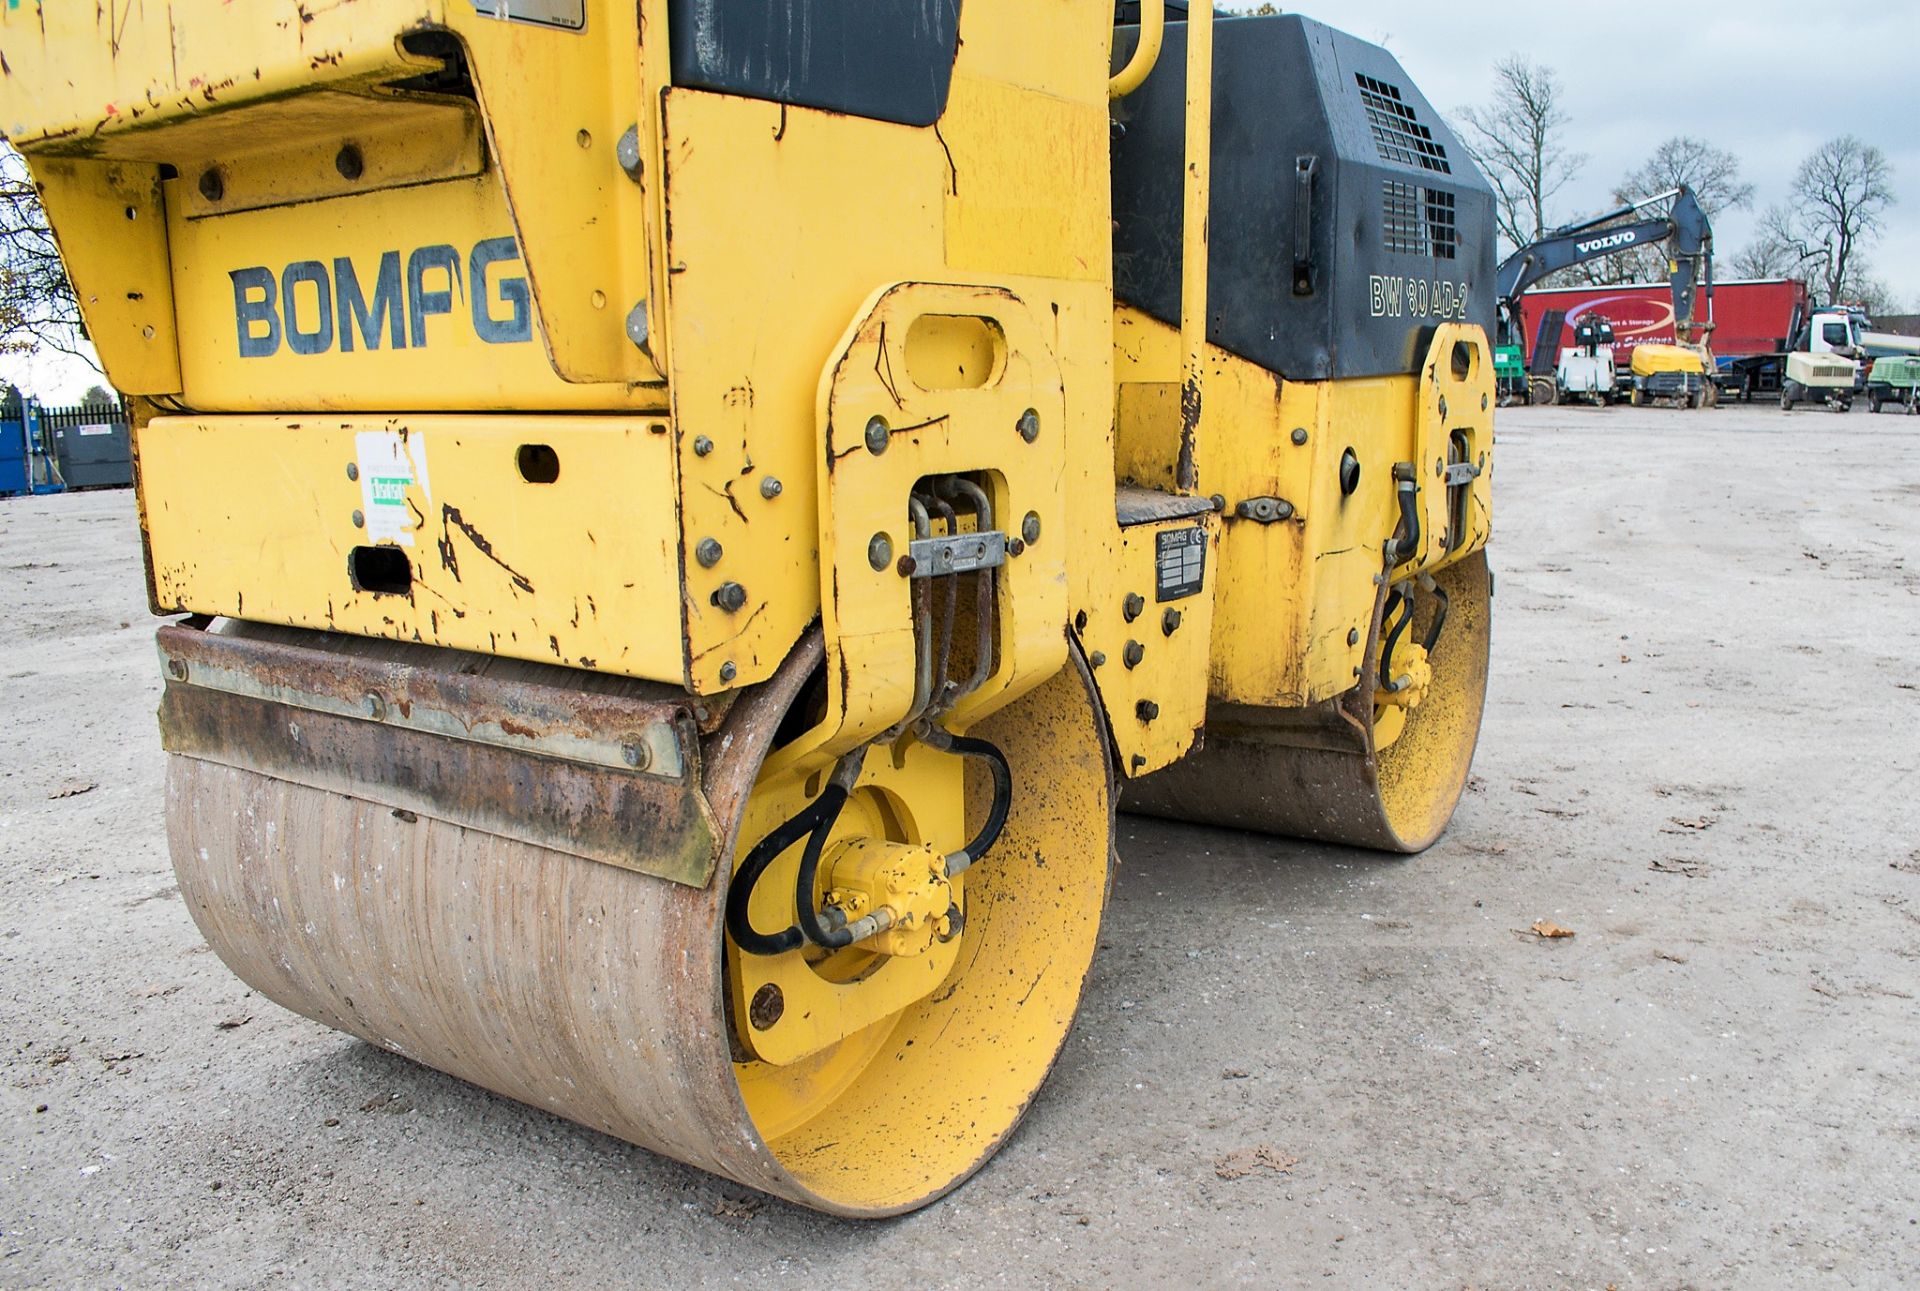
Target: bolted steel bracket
1265,510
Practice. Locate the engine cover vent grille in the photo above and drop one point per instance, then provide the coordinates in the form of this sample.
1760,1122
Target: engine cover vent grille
1397,131
1417,220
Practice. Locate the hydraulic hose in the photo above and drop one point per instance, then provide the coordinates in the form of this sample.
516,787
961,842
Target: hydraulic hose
1390,684
813,823
966,746
1400,549
1439,594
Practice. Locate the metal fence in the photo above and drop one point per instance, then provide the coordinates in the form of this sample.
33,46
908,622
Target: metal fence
91,443
45,450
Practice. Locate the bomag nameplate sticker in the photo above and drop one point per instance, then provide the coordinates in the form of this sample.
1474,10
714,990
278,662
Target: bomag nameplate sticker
392,465
1180,562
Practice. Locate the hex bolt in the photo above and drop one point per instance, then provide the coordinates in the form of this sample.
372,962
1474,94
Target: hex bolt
728,672
1015,547
627,153
880,551
1219,501
1029,425
771,488
359,521
1097,658
1030,528
1133,654
213,185
637,325
1299,436
1349,473
877,436
638,756
1146,710
349,162
1133,606
353,470
730,597
766,1007
906,565
376,707
1170,622
708,552
1353,636
702,445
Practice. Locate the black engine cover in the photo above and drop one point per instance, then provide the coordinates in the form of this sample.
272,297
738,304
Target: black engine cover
1347,219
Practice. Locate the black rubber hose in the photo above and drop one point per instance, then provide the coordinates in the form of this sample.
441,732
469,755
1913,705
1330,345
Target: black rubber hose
1439,619
1393,638
1002,791
810,926
812,823
1409,541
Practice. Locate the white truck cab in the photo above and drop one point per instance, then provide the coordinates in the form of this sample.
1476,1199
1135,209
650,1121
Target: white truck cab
1824,365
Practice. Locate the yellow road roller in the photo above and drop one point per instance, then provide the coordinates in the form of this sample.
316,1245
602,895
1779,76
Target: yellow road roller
682,521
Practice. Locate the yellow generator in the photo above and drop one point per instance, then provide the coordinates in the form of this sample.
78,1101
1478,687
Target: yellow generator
691,515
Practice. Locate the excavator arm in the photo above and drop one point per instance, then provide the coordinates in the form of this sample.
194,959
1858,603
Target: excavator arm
1685,228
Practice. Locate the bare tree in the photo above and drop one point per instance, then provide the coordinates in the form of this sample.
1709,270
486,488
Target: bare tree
1840,194
1874,295
1833,212
1712,173
1516,137
1775,252
37,305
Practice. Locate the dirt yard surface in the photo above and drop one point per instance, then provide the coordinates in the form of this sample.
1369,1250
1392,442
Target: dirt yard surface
1297,1065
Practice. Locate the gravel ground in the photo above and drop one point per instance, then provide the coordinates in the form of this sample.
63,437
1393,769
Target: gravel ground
1699,754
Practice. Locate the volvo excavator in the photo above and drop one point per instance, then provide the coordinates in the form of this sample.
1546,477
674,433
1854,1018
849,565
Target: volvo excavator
1683,372
677,523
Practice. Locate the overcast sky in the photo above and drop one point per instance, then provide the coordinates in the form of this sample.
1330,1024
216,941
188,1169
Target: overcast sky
1754,78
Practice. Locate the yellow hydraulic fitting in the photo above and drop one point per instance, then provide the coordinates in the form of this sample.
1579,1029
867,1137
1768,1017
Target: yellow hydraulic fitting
908,883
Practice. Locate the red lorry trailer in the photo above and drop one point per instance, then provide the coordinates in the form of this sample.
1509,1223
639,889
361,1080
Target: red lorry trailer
1753,322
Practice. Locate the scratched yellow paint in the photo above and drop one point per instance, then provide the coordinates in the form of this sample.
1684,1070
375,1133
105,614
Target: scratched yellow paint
454,370
139,84
1296,598
573,572
619,418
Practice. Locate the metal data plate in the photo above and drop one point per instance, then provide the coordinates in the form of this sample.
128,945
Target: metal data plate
960,553
1180,562
568,14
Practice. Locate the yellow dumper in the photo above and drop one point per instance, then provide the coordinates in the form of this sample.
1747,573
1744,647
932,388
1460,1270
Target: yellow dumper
1676,372
690,515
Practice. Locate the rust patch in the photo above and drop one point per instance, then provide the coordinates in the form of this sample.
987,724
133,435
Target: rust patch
1186,476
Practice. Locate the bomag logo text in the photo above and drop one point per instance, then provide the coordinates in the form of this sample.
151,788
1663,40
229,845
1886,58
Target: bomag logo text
316,307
